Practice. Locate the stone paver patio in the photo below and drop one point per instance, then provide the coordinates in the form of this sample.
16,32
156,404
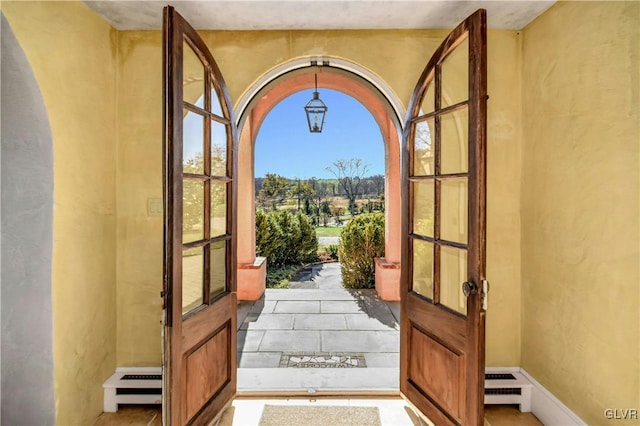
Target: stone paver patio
317,318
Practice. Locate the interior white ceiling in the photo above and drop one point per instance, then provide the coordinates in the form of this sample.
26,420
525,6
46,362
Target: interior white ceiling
319,14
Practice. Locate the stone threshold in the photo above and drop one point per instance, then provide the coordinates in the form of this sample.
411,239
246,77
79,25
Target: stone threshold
316,381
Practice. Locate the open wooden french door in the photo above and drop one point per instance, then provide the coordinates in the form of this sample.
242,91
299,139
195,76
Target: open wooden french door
199,157
443,253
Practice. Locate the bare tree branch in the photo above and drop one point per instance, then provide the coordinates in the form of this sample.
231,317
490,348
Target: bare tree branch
349,174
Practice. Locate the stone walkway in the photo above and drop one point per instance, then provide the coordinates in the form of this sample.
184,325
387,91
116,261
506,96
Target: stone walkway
341,338
325,241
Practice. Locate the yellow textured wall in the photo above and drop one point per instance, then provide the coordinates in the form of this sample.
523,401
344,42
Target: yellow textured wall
563,187
580,213
504,165
396,56
139,178
72,53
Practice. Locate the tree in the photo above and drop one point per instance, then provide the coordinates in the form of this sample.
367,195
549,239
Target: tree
349,174
193,199
320,190
378,184
308,209
193,195
302,190
274,190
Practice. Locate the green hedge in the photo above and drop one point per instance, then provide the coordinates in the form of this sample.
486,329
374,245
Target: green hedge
284,238
360,241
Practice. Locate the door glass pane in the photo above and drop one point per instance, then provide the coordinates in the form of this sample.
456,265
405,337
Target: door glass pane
453,272
454,144
428,102
200,102
218,208
192,278
218,149
423,268
423,148
216,107
193,76
192,211
455,76
423,193
192,143
218,268
453,210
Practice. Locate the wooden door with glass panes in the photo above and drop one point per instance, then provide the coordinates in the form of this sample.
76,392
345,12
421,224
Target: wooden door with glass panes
443,253
199,149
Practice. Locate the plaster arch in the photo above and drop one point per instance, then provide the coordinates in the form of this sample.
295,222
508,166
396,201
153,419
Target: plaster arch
252,112
27,242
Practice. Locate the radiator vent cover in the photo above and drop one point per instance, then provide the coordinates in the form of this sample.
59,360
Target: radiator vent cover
499,376
503,391
139,391
132,385
507,387
141,377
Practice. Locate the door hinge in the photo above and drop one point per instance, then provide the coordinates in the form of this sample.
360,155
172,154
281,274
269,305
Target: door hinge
485,294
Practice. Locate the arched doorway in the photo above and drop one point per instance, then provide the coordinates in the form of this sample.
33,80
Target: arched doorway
252,109
27,242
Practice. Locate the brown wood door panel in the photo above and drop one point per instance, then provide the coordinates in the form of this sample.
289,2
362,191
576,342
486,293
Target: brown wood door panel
199,169
206,371
441,376
196,328
214,407
454,328
443,192
422,402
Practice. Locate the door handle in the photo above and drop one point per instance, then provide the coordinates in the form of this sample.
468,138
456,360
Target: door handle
469,288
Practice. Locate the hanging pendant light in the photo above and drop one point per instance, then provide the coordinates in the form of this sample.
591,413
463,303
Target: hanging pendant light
315,110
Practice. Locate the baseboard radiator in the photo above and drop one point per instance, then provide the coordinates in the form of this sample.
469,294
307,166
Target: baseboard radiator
131,385
507,387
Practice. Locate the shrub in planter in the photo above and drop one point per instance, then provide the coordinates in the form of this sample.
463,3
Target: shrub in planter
269,239
307,240
289,234
285,239
360,241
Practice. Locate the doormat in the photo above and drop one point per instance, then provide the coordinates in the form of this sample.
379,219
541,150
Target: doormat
322,360
296,415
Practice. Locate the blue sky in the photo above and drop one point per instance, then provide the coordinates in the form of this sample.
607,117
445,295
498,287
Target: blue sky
286,147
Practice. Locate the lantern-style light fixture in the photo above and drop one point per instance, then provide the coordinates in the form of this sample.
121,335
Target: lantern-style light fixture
315,110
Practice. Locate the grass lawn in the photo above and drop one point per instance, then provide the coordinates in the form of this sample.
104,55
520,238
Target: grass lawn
328,231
